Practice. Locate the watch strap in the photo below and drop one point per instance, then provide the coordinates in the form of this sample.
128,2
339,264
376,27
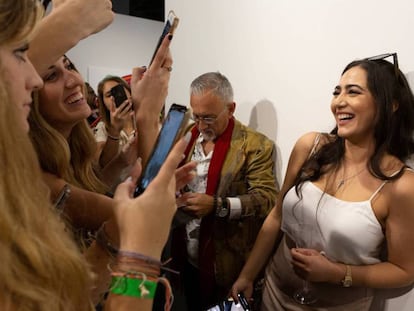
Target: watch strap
221,207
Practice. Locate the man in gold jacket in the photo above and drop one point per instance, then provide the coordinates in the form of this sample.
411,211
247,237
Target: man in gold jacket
227,201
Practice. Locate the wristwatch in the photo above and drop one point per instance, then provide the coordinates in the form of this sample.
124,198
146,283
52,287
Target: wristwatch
347,281
222,208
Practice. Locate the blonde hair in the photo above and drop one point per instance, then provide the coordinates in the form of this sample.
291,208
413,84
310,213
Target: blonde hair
71,159
41,267
18,19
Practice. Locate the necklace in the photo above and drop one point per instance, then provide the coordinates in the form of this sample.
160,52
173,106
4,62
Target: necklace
344,179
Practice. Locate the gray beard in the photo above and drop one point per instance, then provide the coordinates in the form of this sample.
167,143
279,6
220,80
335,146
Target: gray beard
208,135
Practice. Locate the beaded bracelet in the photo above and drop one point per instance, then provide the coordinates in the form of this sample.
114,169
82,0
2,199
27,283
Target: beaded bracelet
140,257
136,275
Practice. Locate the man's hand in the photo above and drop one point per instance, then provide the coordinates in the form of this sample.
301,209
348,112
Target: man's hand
198,204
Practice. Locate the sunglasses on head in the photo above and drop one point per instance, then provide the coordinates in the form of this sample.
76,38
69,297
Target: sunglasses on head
384,56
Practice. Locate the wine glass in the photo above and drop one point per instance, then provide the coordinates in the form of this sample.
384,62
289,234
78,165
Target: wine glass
303,235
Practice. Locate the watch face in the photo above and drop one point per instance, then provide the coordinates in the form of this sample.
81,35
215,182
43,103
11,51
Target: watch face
223,212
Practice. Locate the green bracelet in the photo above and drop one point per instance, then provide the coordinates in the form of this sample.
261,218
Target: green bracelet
132,287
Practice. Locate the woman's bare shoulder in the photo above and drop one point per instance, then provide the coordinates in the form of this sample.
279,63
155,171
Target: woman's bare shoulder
402,193
404,184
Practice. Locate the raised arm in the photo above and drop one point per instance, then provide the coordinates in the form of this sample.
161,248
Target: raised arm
149,91
69,22
144,224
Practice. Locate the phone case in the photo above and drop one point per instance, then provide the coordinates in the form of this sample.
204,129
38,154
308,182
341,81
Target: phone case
172,129
169,27
118,92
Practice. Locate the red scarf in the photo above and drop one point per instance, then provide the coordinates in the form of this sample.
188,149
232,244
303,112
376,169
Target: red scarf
206,243
221,145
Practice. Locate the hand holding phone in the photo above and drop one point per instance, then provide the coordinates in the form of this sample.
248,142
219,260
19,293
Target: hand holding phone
119,94
169,27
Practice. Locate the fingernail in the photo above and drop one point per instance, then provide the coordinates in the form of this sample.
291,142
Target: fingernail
170,37
139,160
129,179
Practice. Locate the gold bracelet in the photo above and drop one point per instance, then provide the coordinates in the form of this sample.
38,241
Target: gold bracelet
347,281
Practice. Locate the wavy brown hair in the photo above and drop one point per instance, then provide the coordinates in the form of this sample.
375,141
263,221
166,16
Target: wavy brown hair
71,159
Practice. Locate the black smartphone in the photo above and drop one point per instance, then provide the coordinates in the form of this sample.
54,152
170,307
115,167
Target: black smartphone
243,301
169,27
119,94
172,129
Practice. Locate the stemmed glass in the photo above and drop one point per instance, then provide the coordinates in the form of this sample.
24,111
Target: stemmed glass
303,235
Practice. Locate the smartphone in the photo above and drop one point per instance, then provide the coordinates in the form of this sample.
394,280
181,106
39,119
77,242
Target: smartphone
169,27
243,301
119,94
172,129
230,305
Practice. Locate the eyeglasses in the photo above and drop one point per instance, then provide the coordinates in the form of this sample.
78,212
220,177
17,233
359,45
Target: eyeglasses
384,56
207,120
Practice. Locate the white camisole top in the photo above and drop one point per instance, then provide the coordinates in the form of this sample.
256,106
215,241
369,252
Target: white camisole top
346,232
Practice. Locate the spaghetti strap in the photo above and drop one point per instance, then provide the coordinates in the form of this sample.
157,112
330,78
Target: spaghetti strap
386,181
378,190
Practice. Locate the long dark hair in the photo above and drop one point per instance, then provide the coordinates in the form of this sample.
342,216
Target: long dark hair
394,126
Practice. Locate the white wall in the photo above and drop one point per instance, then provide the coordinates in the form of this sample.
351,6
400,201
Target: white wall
283,57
